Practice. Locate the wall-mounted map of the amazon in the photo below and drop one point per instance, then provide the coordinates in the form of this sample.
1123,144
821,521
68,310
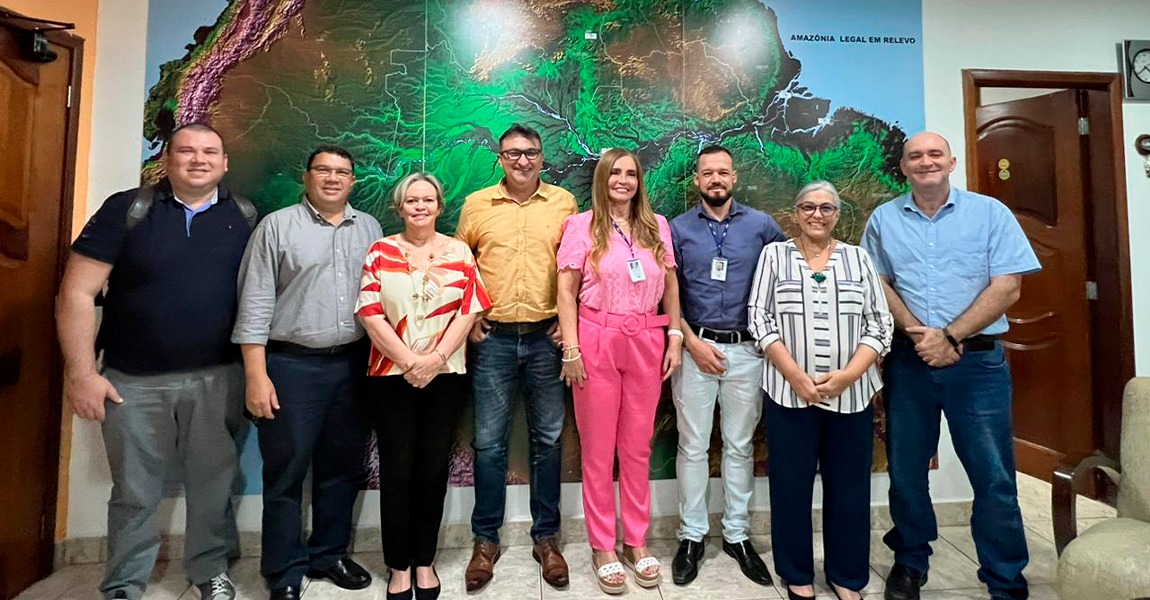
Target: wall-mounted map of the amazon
797,89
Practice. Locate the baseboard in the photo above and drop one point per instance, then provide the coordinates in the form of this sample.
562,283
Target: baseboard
87,550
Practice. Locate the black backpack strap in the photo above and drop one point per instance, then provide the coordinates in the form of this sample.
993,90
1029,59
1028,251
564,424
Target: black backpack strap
251,215
140,206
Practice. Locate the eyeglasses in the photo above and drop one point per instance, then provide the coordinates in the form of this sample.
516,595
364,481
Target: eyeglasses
514,154
323,171
809,209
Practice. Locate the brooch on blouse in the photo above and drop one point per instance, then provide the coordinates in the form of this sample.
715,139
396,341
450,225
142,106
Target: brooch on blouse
819,277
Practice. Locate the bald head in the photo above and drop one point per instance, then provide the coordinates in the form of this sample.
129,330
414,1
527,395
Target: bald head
925,138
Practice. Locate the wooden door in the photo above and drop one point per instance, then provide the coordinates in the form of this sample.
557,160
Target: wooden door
1031,156
37,159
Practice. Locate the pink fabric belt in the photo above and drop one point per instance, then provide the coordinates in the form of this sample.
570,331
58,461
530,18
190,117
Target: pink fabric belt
629,324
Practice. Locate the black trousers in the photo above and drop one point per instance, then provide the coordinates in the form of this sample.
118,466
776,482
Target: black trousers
321,426
840,447
415,429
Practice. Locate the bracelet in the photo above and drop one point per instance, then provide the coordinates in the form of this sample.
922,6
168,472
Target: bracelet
571,347
441,356
572,359
678,332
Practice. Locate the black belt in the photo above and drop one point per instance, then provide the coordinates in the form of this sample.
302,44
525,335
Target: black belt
975,343
301,350
522,328
722,336
979,343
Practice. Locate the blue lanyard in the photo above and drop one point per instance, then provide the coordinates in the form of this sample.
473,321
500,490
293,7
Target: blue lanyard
719,239
630,245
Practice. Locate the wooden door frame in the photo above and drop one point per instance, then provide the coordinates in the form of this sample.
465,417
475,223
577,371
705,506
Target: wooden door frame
1113,363
75,45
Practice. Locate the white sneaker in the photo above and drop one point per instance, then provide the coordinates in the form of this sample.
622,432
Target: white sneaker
217,588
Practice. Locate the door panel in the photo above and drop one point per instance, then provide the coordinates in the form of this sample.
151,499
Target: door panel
36,159
1031,158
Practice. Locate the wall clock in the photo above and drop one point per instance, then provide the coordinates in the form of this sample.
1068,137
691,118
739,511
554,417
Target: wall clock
1136,69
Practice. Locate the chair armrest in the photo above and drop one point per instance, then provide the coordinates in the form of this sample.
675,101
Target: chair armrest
1069,481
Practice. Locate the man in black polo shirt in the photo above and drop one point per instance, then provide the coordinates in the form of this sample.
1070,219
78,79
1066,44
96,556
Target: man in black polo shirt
171,391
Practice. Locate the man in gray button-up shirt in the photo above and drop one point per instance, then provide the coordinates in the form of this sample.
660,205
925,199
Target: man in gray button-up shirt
305,357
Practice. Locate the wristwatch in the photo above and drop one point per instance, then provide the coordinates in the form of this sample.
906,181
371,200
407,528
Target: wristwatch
950,338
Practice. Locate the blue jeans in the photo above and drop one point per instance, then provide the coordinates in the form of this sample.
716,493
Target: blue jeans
975,394
500,365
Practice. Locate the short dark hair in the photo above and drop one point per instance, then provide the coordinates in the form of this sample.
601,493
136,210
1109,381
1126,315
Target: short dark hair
711,149
329,149
520,130
202,127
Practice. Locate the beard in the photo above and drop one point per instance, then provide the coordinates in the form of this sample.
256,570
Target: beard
715,198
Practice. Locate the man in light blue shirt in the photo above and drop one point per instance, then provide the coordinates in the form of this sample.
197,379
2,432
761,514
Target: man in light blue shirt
952,263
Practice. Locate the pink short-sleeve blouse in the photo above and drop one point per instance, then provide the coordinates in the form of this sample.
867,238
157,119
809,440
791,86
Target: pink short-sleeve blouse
610,288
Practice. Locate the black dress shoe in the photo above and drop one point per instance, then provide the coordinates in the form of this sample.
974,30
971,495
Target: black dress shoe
685,567
345,573
749,562
288,592
903,583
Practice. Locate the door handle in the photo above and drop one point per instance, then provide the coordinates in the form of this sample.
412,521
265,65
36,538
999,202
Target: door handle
10,363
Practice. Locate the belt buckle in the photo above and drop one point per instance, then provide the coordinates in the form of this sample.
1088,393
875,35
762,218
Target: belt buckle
631,325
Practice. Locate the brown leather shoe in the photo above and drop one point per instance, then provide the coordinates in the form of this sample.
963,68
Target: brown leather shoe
546,553
482,566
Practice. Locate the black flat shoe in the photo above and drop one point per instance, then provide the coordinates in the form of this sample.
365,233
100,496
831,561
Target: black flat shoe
685,566
430,593
835,590
404,595
345,573
791,595
749,562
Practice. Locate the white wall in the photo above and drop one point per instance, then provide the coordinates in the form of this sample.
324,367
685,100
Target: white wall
1064,35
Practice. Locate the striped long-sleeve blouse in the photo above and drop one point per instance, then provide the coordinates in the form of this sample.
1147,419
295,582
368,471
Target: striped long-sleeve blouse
822,323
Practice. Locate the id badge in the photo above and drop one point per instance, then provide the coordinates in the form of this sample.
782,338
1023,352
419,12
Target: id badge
718,269
635,269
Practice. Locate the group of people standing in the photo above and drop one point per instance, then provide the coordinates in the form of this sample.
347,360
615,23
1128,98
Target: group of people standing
341,328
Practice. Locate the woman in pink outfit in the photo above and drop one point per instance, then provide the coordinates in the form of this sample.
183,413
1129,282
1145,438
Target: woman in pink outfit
616,268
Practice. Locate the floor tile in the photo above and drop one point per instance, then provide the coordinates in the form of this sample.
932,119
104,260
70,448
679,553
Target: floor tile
719,575
63,581
1043,565
1037,592
1034,500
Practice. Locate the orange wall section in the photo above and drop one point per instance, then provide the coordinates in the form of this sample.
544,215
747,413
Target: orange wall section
83,14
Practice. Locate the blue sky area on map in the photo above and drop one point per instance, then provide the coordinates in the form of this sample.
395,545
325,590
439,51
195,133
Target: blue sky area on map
172,26
883,80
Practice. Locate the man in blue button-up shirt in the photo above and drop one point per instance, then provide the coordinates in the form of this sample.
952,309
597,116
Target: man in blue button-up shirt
717,247
952,263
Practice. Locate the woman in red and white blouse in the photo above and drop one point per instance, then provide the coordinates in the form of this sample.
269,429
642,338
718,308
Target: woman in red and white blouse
419,295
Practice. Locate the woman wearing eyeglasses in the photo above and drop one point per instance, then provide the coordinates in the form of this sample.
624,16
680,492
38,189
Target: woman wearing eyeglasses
616,268
419,295
818,311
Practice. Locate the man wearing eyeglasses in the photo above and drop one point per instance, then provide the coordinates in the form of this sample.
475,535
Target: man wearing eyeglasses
305,357
952,263
717,246
514,229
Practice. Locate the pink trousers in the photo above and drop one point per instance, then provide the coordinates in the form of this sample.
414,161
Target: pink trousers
615,413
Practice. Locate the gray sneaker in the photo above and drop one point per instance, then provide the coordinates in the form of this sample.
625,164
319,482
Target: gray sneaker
217,588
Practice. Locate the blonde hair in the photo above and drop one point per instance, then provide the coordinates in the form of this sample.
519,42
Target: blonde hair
400,194
644,227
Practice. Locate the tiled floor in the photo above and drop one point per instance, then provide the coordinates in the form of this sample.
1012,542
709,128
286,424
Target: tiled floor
952,574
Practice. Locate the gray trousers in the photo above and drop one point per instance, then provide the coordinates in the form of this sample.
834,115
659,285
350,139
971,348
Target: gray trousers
182,423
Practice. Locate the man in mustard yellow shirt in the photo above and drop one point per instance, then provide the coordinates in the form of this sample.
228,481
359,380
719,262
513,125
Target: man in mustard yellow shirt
514,229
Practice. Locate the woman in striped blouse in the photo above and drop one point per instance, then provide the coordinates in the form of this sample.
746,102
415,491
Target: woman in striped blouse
818,311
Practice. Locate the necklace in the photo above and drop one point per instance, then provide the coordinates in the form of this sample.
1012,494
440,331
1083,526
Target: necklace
818,276
422,292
